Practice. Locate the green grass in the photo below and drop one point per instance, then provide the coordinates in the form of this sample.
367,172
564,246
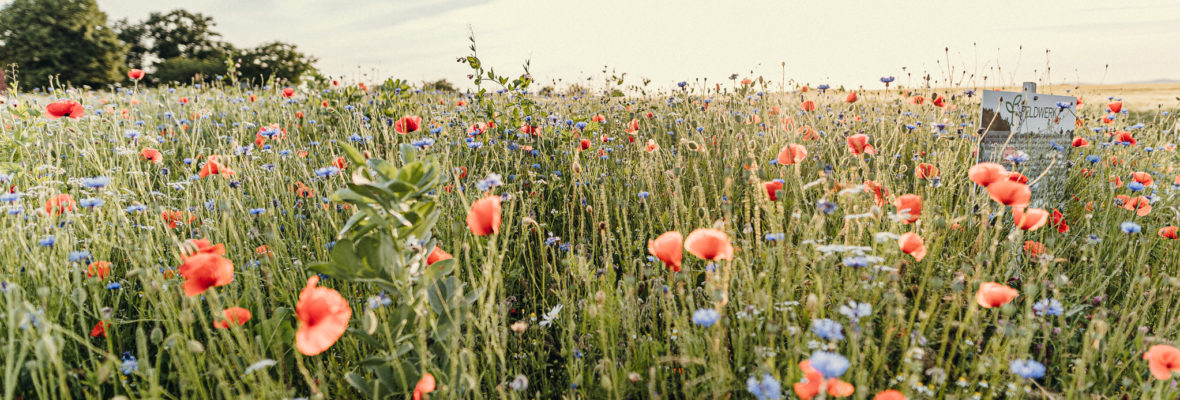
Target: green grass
625,329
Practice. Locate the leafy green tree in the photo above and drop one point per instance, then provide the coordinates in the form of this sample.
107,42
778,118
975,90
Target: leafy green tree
275,60
65,38
179,33
185,70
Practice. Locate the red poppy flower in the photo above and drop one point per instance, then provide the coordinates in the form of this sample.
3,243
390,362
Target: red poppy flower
150,154
484,217
939,101
912,244
709,244
859,144
288,92
424,386
1057,220
1009,193
59,204
1033,248
1168,232
194,247
651,146
101,269
214,167
926,171
100,329
1080,142
879,192
64,108
1115,107
792,154
772,188
667,248
813,380
911,205
807,105
889,395
1127,137
1017,177
135,74
233,316
584,144
917,100
851,98
323,317
991,295
1162,360
1030,219
986,173
205,270
407,124
1143,177
437,255
1139,204
175,218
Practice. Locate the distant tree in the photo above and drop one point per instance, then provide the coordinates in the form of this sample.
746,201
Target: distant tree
275,60
186,70
179,33
441,85
67,38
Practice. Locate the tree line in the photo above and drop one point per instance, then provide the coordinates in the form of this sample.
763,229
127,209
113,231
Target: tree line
70,42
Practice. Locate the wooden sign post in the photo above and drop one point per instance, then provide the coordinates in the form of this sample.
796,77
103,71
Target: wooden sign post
1029,133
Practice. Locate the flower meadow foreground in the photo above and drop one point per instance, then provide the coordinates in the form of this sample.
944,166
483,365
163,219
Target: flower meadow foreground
222,240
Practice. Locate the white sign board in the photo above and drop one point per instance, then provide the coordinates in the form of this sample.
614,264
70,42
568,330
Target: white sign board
1028,133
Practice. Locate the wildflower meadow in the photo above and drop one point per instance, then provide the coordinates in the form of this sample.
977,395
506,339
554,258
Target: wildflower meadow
745,239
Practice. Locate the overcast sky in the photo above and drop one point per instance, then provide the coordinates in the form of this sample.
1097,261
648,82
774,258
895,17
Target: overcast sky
840,42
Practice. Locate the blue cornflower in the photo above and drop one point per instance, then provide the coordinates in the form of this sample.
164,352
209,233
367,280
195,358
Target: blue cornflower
1048,307
705,317
887,79
114,286
96,182
644,195
130,364
327,172
1027,369
47,241
682,84
136,208
489,183
827,329
766,389
1135,186
826,206
855,311
831,365
1130,227
256,211
11,197
775,237
380,300
90,202
79,255
423,143
1018,157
